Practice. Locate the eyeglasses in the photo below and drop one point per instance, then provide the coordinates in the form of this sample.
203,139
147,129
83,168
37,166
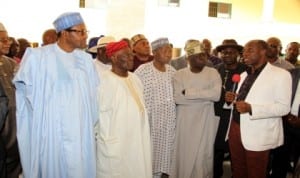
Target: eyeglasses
82,32
5,40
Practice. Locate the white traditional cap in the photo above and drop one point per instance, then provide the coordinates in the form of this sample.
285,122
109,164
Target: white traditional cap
160,42
102,42
67,20
2,28
193,47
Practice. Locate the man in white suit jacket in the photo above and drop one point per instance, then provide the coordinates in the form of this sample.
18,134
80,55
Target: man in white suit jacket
263,96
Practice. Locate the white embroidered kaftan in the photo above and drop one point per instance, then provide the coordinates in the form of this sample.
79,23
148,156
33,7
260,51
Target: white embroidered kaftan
160,104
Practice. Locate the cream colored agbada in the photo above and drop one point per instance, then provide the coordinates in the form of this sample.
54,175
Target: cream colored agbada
123,136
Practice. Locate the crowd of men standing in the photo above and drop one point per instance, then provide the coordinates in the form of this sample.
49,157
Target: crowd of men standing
134,112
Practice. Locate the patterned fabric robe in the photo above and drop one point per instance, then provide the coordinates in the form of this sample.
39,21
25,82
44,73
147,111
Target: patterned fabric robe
160,104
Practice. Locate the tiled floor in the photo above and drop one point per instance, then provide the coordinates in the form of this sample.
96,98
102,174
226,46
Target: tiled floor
227,170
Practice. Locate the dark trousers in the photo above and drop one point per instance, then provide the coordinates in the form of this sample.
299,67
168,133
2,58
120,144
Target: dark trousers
288,152
245,163
2,159
221,146
218,162
279,162
13,168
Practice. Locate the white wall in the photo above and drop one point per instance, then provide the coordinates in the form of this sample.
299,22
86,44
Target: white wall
124,18
190,21
30,18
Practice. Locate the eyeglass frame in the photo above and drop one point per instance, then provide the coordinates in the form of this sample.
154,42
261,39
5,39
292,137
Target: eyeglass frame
82,32
5,40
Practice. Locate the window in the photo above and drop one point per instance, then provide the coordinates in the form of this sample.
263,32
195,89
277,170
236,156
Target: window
174,3
219,10
82,3
92,3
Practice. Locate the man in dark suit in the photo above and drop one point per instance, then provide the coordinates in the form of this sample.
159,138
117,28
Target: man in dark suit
291,122
8,132
3,113
294,120
230,53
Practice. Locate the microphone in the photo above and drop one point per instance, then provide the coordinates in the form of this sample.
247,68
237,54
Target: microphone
235,79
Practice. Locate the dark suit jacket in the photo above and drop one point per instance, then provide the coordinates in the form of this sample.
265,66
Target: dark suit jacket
3,107
3,113
179,63
224,114
289,129
295,78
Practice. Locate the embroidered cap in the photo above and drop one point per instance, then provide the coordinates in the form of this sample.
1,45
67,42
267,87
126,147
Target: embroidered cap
159,43
193,47
67,20
136,38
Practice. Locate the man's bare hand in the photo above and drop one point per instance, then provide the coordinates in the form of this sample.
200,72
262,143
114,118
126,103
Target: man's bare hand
230,96
292,120
242,107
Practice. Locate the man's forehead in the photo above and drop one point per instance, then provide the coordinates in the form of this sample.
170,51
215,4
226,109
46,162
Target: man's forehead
201,54
3,34
273,41
141,42
293,45
81,26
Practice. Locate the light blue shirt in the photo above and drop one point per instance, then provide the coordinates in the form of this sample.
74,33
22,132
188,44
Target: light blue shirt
56,113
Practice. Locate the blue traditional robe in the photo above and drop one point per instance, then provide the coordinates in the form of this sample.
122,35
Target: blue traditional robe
56,113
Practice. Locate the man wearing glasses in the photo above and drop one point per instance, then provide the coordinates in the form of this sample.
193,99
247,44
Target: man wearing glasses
8,132
56,110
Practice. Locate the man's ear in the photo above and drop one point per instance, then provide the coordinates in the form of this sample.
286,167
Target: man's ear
154,52
113,59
